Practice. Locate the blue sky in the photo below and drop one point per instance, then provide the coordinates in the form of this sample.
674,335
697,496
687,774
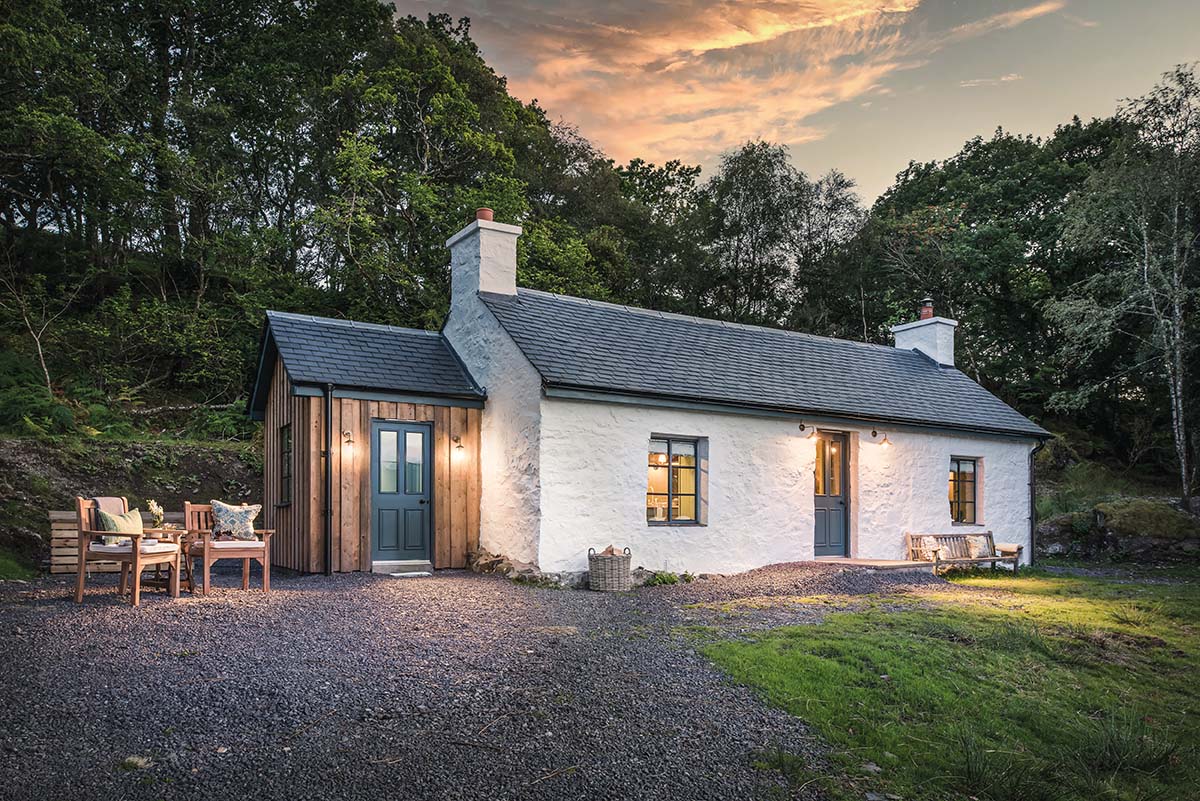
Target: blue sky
862,86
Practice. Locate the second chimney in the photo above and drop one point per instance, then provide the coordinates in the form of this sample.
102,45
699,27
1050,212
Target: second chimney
933,336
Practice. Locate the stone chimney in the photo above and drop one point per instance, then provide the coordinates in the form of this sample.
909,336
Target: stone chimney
933,336
483,257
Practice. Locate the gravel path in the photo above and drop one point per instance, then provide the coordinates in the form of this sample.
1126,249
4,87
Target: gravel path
359,686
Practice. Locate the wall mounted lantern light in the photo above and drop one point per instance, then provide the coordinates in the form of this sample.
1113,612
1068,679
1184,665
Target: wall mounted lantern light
812,431
883,443
347,437
458,446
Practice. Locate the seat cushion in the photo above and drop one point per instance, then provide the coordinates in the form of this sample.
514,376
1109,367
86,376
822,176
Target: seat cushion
156,547
218,545
238,544
237,521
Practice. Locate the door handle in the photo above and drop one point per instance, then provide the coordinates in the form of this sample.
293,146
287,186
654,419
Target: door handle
422,500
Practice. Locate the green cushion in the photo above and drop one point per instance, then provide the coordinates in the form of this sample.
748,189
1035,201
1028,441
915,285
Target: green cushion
128,523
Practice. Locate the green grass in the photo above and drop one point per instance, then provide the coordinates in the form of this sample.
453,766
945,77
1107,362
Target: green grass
14,567
1046,687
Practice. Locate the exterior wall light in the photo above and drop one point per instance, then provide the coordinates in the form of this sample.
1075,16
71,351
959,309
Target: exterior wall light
458,446
812,431
883,443
347,437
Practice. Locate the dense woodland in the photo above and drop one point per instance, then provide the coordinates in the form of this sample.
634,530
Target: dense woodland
170,170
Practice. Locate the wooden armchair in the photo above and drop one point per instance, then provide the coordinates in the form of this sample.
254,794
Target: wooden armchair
198,521
133,556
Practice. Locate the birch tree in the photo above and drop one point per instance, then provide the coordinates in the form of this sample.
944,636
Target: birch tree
1142,211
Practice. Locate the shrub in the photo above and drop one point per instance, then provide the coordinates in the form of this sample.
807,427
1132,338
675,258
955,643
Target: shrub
25,405
1080,487
662,577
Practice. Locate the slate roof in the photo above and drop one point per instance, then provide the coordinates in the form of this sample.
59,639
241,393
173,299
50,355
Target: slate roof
364,356
580,344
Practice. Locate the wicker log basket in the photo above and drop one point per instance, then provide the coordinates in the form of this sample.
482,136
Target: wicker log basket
608,570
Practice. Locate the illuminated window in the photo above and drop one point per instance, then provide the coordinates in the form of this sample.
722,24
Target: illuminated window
962,490
672,486
285,465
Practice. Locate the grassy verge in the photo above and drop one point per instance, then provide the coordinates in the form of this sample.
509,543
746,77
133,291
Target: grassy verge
1042,687
14,567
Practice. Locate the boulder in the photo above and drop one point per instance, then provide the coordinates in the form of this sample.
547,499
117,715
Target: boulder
1138,529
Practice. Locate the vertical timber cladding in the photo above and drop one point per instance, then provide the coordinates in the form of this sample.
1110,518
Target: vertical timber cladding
298,543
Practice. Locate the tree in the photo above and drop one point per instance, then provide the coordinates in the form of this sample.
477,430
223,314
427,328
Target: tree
27,299
1142,212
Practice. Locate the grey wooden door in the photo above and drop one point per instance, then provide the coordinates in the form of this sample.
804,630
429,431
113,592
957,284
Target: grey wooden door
400,491
830,493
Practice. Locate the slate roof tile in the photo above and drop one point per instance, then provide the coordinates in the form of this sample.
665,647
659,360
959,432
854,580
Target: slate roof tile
322,350
577,343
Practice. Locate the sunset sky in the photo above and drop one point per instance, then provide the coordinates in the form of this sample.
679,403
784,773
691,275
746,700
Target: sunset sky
858,85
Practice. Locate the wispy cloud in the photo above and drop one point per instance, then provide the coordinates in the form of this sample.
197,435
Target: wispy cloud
974,82
692,78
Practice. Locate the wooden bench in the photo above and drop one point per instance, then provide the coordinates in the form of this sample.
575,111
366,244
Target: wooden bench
952,550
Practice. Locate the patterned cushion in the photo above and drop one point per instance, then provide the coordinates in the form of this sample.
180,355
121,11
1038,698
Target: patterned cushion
977,546
128,523
236,521
925,546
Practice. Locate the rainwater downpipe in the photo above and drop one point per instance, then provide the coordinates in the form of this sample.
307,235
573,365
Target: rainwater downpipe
328,479
1033,499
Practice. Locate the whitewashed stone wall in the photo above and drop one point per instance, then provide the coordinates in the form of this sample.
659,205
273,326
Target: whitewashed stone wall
593,467
509,518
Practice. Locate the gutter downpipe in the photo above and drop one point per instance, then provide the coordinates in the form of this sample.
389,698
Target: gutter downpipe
329,480
1033,500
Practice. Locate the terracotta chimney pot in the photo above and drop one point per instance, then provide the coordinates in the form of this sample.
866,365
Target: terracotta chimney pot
926,309
484,214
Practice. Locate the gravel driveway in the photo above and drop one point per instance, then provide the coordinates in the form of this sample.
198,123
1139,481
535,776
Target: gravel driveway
360,686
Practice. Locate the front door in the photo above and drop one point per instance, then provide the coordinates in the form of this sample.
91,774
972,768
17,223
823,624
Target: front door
400,507
830,494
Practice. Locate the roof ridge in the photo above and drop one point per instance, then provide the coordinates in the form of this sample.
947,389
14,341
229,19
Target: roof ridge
666,315
344,323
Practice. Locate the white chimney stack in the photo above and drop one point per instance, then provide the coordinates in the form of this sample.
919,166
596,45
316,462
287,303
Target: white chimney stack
483,257
933,336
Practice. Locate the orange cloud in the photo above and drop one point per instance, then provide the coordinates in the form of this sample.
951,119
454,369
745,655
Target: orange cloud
690,79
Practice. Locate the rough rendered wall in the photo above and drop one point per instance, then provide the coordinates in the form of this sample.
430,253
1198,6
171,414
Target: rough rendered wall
593,463
904,488
508,515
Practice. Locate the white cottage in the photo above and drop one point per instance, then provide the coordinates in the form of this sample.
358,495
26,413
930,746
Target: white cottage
715,447
538,426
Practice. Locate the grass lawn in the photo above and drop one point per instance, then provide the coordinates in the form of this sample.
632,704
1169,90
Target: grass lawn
1040,686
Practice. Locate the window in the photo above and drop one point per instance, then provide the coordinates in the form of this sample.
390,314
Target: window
414,462
672,487
828,467
285,465
389,463
962,489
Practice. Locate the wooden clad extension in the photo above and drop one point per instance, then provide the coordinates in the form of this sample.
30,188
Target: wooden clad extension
298,542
